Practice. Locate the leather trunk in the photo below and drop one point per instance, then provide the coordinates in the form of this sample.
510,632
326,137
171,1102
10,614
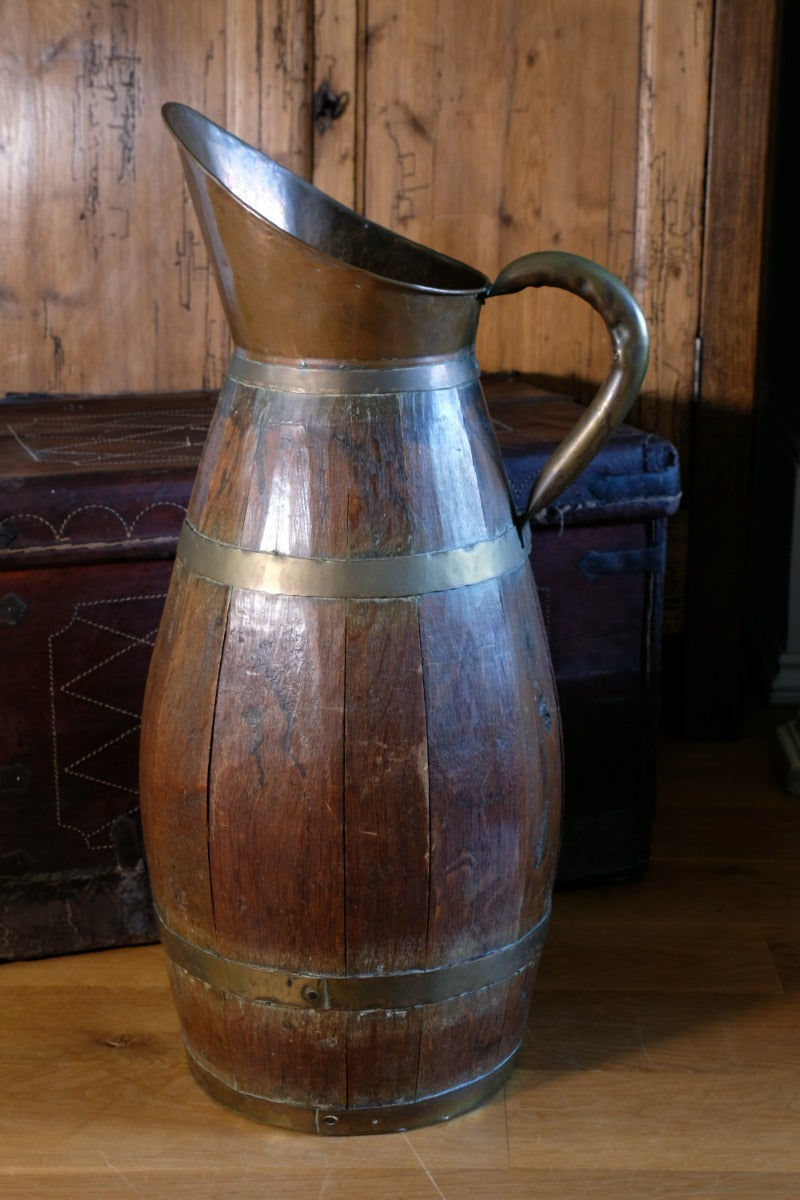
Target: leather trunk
92,495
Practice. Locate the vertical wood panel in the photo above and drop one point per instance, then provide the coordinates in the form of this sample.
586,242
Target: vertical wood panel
460,1042
296,502
479,768
383,1050
174,754
742,85
104,280
300,1053
203,1023
275,784
219,497
336,58
387,843
668,229
268,77
494,130
484,141
535,704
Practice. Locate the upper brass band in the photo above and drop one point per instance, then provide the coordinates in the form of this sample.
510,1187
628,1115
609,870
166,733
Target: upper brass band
346,379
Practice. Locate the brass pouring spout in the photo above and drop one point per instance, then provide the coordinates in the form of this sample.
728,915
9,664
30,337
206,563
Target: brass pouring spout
305,278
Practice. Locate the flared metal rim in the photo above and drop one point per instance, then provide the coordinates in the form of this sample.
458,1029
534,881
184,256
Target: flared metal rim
176,114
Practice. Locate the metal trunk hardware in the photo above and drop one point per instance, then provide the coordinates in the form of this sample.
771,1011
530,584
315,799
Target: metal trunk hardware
350,764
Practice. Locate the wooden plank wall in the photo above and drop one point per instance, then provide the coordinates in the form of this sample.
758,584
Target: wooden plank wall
484,131
584,129
104,283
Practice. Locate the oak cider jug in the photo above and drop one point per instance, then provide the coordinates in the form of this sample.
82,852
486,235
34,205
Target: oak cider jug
350,755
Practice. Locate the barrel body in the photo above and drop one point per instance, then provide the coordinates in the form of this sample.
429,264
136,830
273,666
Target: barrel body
351,764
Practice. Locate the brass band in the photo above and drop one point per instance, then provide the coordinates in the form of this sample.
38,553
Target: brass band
388,1118
338,379
351,578
408,989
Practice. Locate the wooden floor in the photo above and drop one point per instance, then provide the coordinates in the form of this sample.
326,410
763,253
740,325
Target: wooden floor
663,1059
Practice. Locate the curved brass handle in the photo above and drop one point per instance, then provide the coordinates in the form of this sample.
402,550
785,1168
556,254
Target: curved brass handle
630,343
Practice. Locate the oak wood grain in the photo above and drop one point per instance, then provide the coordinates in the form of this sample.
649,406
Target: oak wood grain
105,281
276,814
174,753
386,790
373,787
486,852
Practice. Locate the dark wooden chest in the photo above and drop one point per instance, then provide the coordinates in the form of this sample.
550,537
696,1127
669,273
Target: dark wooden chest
92,495
598,558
